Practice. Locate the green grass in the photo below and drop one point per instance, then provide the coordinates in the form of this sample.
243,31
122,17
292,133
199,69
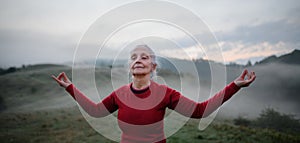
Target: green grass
68,125
228,133
62,126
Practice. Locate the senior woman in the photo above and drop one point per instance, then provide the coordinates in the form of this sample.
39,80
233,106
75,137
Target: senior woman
141,104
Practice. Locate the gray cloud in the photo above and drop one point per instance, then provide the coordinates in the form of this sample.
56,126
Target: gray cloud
272,32
43,31
27,47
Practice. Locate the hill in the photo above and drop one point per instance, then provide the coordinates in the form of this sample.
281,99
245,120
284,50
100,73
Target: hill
31,87
290,58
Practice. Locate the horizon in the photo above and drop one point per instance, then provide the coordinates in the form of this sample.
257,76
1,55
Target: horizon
70,63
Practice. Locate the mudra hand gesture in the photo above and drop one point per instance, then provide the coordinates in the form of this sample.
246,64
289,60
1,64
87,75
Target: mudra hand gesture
245,79
62,80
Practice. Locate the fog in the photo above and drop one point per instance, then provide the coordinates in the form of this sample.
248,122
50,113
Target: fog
276,86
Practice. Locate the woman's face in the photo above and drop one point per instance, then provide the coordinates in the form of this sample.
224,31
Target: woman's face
141,62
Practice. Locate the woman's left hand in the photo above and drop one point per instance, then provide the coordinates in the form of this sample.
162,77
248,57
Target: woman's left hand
245,79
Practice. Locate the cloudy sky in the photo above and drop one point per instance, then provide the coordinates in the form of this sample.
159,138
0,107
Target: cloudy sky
48,31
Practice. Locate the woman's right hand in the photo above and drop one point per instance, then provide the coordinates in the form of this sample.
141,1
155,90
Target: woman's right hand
62,80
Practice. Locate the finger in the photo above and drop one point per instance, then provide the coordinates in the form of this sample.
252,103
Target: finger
60,76
65,77
57,80
252,77
245,72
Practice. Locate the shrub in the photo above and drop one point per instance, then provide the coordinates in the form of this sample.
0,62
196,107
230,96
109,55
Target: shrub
241,121
7,71
269,118
33,90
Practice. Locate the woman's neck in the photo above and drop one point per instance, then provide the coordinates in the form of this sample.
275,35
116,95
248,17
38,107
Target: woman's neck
141,82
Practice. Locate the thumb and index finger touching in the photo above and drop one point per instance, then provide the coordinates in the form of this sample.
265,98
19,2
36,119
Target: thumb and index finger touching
62,79
250,76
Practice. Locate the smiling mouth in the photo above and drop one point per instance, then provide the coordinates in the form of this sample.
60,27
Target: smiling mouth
138,66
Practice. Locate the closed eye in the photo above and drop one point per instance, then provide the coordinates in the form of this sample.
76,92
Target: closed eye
145,57
133,57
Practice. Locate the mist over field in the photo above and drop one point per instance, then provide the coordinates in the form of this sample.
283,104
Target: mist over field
276,86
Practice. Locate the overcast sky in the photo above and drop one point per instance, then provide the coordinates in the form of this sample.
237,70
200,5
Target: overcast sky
48,31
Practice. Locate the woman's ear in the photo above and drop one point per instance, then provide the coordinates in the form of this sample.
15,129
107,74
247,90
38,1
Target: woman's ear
154,67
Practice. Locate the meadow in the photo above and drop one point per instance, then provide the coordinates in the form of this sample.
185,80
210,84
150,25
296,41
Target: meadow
68,126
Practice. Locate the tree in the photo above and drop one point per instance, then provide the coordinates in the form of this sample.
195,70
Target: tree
249,64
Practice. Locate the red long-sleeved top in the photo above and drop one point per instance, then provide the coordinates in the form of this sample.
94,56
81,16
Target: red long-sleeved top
140,116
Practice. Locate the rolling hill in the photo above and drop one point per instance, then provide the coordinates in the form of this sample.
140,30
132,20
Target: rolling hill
290,58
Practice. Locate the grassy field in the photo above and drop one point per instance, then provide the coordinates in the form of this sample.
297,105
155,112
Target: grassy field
68,126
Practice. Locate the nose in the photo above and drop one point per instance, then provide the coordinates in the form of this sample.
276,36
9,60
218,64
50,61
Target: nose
138,59
135,61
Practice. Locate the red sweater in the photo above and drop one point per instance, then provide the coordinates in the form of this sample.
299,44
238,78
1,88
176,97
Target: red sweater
140,116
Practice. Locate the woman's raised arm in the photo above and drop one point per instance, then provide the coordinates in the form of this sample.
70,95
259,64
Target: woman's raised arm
100,109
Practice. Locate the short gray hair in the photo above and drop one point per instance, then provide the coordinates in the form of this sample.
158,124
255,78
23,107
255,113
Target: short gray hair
152,55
